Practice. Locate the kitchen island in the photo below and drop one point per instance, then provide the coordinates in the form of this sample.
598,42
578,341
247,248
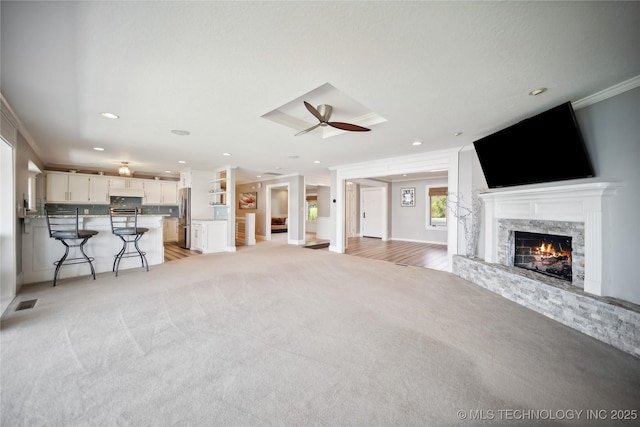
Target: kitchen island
39,251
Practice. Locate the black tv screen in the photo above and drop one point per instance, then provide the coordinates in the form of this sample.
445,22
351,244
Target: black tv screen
544,148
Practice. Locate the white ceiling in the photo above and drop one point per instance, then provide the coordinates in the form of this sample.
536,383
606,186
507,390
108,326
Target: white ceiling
215,68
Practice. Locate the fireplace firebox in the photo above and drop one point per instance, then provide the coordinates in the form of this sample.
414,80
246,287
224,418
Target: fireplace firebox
544,253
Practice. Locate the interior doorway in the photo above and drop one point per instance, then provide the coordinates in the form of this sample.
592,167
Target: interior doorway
278,205
372,212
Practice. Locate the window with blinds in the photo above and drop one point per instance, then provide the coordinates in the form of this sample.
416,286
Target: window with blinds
437,207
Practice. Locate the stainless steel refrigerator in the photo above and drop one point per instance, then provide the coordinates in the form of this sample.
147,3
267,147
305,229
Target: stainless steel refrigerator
184,218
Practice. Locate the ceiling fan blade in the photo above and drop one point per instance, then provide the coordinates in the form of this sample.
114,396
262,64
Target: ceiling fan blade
348,126
307,130
313,111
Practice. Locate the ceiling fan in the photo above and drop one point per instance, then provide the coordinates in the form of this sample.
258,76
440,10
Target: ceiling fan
323,113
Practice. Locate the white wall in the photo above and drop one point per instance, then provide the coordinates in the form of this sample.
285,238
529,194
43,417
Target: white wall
410,223
200,198
324,201
279,202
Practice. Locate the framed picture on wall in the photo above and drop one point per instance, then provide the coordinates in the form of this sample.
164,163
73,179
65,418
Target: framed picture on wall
248,201
407,197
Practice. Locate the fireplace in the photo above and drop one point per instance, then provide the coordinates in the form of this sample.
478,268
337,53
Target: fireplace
570,216
578,211
517,239
547,254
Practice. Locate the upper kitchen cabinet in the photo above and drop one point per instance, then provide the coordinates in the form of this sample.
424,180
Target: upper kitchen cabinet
68,187
126,183
186,180
99,189
160,192
169,192
63,187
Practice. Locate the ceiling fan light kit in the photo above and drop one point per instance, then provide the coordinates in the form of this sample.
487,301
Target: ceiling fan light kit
323,114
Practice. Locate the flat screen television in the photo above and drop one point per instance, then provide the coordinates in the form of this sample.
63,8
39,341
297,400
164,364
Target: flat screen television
544,148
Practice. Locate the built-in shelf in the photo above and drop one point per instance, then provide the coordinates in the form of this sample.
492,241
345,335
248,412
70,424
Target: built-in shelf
220,195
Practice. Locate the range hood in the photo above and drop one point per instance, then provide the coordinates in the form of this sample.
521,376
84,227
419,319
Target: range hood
126,192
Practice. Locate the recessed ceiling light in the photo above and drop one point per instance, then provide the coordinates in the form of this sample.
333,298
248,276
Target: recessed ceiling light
181,132
416,143
98,148
181,161
258,176
404,174
316,161
226,154
457,133
109,115
538,91
167,171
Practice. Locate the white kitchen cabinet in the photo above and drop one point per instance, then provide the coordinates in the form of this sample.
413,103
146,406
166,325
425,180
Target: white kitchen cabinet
169,192
99,189
208,236
196,236
170,229
185,180
65,187
127,183
152,192
160,192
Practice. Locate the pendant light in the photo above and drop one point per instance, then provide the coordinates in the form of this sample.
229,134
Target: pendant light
124,169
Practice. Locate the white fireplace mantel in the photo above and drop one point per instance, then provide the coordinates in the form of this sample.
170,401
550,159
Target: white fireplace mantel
583,202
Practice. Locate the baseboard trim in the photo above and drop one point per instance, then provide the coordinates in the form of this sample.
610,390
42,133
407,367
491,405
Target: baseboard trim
418,241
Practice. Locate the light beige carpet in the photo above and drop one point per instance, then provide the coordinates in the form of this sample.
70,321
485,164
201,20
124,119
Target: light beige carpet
281,335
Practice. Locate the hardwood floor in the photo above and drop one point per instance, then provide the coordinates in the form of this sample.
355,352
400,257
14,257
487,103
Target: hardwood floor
173,252
425,255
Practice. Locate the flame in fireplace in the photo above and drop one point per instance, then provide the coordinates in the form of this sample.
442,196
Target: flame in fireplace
548,250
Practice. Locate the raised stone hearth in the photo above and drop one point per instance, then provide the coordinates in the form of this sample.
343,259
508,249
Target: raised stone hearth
581,212
609,320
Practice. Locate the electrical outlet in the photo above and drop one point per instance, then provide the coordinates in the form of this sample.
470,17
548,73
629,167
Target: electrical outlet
86,211
170,210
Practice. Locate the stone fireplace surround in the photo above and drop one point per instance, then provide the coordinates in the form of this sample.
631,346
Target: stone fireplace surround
579,211
506,241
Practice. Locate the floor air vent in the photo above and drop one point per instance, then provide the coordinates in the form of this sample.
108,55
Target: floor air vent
26,304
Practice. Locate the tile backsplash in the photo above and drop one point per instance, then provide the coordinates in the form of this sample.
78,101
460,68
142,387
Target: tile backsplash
125,202
116,202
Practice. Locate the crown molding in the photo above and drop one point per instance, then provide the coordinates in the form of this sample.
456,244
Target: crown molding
15,120
614,90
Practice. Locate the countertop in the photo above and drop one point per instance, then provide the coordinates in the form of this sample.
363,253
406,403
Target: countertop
94,216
